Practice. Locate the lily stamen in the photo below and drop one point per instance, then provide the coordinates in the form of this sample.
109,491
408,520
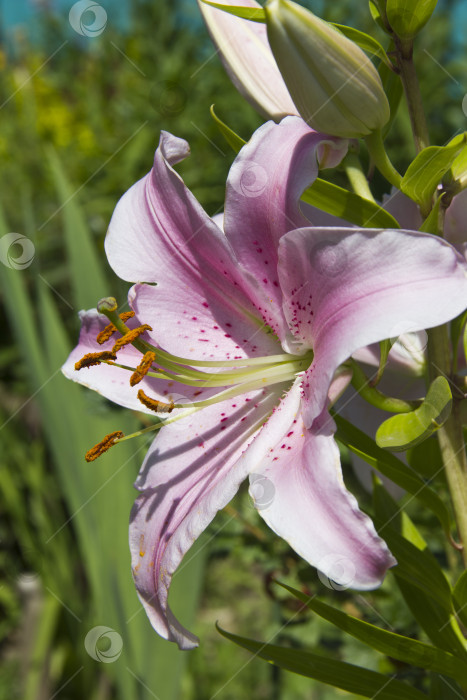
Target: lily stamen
109,330
143,368
154,404
130,337
95,358
104,445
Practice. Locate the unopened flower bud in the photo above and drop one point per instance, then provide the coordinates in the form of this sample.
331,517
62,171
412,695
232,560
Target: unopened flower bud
334,85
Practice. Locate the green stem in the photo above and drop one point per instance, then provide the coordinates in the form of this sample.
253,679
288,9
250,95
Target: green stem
357,178
451,434
405,64
380,158
375,397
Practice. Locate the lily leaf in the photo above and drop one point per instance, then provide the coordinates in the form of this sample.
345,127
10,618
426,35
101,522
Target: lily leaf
408,17
405,430
377,11
252,13
458,170
338,674
459,596
427,170
394,645
392,467
458,325
433,222
234,140
419,577
365,41
339,202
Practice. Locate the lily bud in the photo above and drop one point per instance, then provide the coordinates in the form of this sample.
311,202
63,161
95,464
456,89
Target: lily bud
334,85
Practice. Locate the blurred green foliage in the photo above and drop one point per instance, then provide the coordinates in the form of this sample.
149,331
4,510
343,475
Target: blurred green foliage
92,110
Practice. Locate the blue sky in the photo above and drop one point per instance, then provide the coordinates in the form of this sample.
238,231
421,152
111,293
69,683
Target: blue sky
22,12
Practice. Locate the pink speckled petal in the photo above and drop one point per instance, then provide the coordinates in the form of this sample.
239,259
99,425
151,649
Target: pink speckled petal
262,203
298,489
348,288
190,472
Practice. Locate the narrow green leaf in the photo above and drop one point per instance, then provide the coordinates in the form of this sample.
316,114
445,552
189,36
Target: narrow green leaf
405,430
338,674
364,41
392,467
426,459
252,13
459,596
394,645
433,222
458,170
441,687
339,202
234,140
408,17
88,279
458,325
425,172
376,9
419,577
384,349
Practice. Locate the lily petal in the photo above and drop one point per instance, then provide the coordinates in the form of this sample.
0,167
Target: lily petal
264,187
348,288
190,472
160,233
244,50
114,382
304,500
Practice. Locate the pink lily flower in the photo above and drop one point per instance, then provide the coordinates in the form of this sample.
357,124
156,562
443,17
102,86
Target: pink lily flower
250,326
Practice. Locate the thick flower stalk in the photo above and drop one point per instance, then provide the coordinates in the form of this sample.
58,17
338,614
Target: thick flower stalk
238,342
